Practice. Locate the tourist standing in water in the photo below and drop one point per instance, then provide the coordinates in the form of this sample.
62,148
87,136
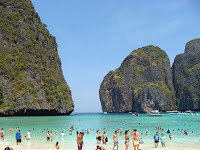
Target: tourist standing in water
156,139
48,136
136,139
115,140
18,137
29,135
127,136
80,140
2,134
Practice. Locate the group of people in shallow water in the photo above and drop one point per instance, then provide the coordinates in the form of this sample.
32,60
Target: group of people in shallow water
129,135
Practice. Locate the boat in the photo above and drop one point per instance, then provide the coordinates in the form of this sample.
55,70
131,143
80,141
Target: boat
188,112
105,113
175,113
135,114
194,113
154,113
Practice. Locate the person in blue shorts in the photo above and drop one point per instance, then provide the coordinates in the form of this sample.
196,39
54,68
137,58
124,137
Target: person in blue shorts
18,137
163,140
156,139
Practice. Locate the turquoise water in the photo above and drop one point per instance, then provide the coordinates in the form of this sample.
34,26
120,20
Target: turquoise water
100,121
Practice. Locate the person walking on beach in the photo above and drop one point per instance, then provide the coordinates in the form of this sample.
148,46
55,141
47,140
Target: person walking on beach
163,140
48,136
156,139
115,140
18,137
2,134
80,140
136,139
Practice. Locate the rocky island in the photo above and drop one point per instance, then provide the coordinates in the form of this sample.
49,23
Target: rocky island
31,78
142,83
186,76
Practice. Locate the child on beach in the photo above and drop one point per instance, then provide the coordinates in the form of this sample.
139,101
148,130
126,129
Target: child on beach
163,140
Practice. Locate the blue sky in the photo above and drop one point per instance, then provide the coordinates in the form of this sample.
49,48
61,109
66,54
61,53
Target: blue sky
94,36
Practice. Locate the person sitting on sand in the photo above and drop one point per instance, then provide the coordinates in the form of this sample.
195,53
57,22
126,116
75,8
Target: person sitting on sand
57,146
141,141
100,148
156,139
136,138
163,140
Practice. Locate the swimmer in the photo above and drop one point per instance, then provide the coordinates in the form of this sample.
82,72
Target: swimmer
24,138
168,131
146,134
170,136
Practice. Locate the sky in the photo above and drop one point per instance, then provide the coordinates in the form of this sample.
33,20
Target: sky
95,36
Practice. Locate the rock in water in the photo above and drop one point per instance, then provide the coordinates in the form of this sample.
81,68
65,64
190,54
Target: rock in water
32,81
186,76
142,83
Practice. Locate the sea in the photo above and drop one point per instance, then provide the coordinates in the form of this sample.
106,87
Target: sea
95,121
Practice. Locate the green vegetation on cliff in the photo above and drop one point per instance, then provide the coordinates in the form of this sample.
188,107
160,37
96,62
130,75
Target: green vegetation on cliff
29,61
143,82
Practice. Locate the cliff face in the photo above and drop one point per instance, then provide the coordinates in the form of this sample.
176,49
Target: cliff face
186,76
142,83
32,81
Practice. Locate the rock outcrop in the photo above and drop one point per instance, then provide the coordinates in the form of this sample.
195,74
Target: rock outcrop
142,83
186,76
31,78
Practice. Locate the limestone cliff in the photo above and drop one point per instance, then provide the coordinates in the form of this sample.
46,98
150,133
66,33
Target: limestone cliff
142,83
31,78
186,76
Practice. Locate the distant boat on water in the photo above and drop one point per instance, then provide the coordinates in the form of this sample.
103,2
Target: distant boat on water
135,114
176,113
154,113
105,113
